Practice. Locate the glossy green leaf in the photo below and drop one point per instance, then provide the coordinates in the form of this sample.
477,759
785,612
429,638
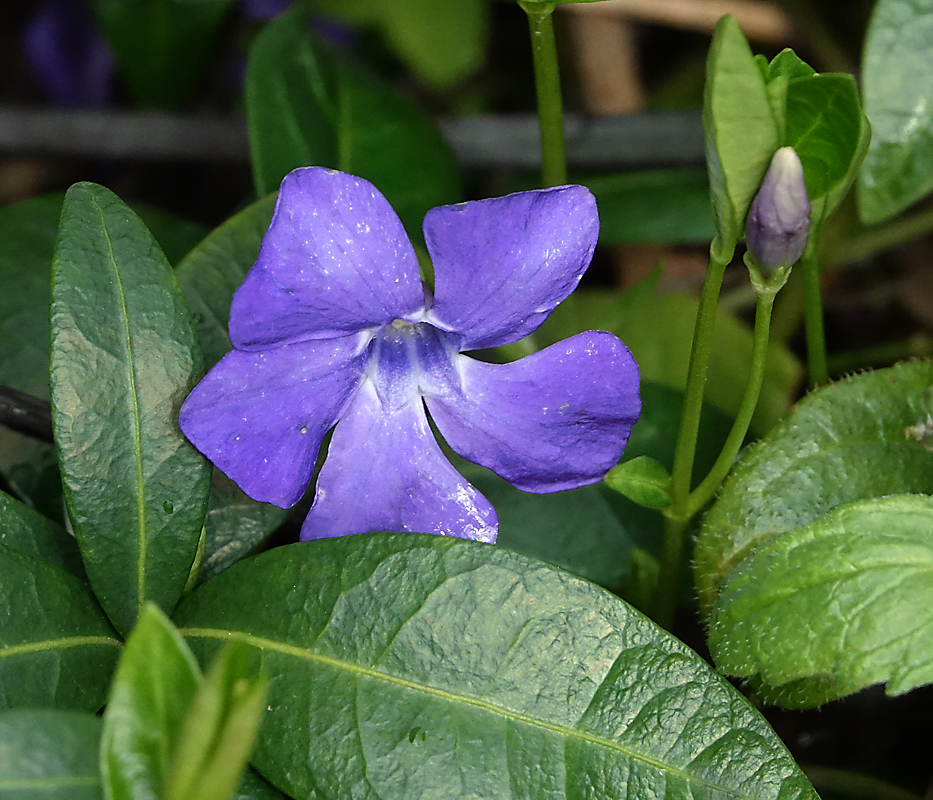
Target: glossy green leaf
411,666
739,127
27,231
156,680
28,532
308,106
824,207
842,443
822,125
441,42
643,479
580,530
789,65
49,755
235,524
255,787
56,646
209,276
218,732
161,46
897,83
846,599
669,205
124,354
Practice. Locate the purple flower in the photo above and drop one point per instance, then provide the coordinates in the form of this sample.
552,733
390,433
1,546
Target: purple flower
332,325
779,220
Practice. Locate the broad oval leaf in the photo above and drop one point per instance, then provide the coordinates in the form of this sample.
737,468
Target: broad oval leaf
307,106
442,43
823,123
412,666
897,79
161,46
56,646
28,532
124,354
49,754
845,601
739,128
844,442
156,680
660,205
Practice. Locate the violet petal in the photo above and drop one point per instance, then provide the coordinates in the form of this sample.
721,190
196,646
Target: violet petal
260,417
384,471
335,260
502,265
554,420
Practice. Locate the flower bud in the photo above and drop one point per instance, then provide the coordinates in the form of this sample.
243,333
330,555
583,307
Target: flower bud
779,221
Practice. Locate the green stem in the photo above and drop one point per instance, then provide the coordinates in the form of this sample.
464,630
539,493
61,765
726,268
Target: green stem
547,88
700,496
882,237
677,515
813,317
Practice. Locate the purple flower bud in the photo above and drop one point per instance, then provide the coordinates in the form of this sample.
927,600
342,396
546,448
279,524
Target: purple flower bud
779,222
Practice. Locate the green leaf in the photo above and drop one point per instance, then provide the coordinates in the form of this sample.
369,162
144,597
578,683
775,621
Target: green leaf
255,787
412,666
124,354
56,646
659,332
665,205
789,65
592,531
161,46
235,524
156,680
846,599
739,127
219,731
27,231
845,442
441,42
49,755
209,276
823,123
579,530
824,207
897,81
212,271
644,480
308,106
28,532
175,235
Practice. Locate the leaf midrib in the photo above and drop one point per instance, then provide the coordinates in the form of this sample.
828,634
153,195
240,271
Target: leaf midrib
137,423
64,782
309,655
57,644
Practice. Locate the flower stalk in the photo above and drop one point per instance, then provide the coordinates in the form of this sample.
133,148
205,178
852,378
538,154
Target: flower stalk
677,516
547,90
